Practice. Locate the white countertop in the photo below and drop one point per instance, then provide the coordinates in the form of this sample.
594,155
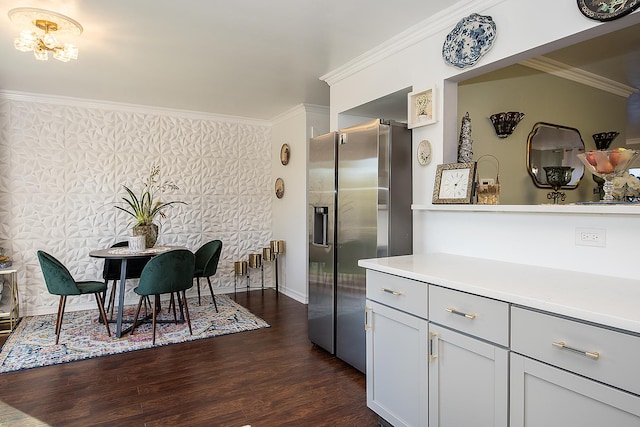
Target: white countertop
609,301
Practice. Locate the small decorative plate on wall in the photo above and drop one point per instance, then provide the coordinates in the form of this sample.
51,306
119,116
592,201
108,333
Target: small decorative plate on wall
424,152
607,10
285,152
471,38
279,188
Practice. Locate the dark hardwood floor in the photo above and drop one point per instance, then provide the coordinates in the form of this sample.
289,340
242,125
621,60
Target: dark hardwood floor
268,377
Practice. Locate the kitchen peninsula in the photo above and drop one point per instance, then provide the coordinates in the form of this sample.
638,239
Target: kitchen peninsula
526,345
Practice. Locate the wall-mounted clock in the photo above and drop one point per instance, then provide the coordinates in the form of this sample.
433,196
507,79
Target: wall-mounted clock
424,152
285,152
454,183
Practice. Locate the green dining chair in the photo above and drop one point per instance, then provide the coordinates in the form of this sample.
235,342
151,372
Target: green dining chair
207,258
60,282
166,273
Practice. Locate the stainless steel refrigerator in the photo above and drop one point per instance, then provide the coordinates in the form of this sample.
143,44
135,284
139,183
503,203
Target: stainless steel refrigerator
359,197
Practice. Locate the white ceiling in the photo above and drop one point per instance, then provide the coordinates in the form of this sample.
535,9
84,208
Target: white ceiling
247,58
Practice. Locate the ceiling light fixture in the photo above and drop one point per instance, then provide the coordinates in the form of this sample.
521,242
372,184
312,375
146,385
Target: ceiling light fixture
43,43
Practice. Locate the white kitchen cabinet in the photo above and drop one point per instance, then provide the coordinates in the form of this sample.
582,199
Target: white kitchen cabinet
543,395
396,365
468,380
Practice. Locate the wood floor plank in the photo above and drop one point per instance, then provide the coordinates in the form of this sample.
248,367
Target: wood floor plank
268,377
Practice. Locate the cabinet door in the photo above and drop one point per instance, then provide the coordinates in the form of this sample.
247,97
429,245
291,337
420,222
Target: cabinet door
542,395
396,365
468,380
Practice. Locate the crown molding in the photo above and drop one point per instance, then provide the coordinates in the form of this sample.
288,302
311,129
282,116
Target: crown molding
124,107
441,21
565,71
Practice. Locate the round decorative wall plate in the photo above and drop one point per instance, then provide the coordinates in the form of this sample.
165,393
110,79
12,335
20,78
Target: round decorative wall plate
424,152
284,154
279,188
607,10
471,38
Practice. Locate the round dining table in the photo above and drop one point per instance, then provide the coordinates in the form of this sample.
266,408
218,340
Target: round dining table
124,254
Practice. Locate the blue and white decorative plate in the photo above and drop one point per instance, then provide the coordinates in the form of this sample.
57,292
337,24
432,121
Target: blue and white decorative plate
471,38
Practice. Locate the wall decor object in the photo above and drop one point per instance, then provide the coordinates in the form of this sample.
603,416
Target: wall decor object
488,189
421,108
557,177
279,188
471,38
607,10
604,139
424,152
454,183
465,150
285,152
505,123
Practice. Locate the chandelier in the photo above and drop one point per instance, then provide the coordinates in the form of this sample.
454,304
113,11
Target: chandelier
44,41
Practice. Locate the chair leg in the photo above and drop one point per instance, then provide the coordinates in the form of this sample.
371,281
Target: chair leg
173,304
186,311
63,302
157,303
112,299
102,312
198,287
212,296
135,317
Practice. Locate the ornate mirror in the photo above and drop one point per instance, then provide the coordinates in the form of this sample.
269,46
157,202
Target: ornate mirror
554,145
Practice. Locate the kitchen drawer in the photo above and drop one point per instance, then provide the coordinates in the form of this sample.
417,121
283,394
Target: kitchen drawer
595,352
397,292
471,314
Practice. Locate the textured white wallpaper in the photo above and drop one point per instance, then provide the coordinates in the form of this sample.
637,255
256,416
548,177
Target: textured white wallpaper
62,167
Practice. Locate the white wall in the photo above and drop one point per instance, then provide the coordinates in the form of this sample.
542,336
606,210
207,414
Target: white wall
63,163
415,59
294,127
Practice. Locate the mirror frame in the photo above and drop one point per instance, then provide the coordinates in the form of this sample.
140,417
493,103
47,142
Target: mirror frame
534,131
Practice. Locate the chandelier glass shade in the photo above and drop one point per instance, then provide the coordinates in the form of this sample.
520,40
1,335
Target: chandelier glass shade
40,30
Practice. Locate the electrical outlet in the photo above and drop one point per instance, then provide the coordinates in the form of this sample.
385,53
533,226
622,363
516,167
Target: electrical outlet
591,237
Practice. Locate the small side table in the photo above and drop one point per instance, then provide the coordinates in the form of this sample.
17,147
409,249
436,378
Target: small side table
9,319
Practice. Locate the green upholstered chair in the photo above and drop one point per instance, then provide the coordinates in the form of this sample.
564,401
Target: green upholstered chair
111,272
166,273
60,282
207,258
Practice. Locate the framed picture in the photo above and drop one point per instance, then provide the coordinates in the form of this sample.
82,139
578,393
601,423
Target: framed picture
607,10
421,108
454,183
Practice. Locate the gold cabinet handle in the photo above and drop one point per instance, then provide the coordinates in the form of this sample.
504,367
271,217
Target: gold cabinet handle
367,326
459,313
591,354
432,337
391,291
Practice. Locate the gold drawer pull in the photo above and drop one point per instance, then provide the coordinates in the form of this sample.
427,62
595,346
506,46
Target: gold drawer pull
459,313
391,291
592,354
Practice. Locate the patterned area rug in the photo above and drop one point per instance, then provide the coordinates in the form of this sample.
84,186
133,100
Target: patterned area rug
32,343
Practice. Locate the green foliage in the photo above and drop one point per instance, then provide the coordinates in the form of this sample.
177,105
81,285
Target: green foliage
144,207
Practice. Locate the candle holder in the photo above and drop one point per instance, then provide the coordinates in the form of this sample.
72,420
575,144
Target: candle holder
557,177
277,249
240,270
255,262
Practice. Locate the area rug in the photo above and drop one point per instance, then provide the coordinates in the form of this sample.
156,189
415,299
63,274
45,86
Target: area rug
32,343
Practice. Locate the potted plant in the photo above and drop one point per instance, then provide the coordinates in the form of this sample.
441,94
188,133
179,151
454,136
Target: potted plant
145,207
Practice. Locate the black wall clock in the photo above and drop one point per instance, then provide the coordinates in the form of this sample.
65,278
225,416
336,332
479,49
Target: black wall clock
607,10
